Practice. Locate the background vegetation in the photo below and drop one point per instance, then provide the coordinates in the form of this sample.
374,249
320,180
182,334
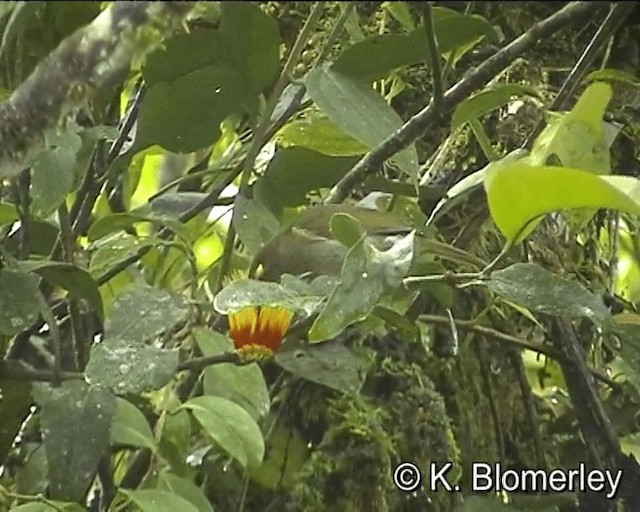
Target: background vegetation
152,153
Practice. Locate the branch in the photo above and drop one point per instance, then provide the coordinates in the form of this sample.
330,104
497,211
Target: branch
95,56
434,56
475,79
615,17
513,341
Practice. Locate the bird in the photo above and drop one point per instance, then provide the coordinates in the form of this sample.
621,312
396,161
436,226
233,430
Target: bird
308,247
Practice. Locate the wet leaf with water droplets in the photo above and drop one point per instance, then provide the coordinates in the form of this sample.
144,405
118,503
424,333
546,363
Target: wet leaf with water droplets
19,302
142,312
537,289
130,367
75,419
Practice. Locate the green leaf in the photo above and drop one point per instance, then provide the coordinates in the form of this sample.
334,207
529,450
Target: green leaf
319,135
360,112
231,427
77,281
200,101
119,221
154,500
130,427
15,406
143,312
50,506
52,174
42,237
376,56
285,456
537,289
613,75
346,229
245,293
254,223
577,138
252,43
19,301
185,489
367,273
8,213
183,54
75,419
243,385
519,193
329,364
487,100
294,172
401,13
113,250
126,366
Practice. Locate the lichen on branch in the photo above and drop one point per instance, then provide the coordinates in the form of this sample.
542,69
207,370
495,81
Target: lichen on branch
94,57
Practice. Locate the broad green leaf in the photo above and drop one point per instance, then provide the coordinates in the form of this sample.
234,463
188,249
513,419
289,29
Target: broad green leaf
113,250
77,281
183,54
487,100
360,112
245,293
126,366
251,42
576,138
367,273
401,12
15,406
294,172
175,204
19,301
231,427
119,221
519,193
200,101
375,57
8,213
130,427
285,456
52,174
143,312
319,135
329,364
461,191
50,506
346,229
243,385
537,289
186,489
154,500
613,75
42,237
254,223
75,419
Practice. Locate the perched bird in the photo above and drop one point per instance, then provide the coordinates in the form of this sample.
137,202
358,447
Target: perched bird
309,247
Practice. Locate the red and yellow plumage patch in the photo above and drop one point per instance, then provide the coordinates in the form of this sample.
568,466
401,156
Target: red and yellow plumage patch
261,326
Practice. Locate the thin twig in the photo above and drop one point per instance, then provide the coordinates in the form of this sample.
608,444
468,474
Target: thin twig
512,341
475,79
68,242
434,56
616,16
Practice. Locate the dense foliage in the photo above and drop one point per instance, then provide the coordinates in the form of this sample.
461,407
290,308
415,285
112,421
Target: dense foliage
435,204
